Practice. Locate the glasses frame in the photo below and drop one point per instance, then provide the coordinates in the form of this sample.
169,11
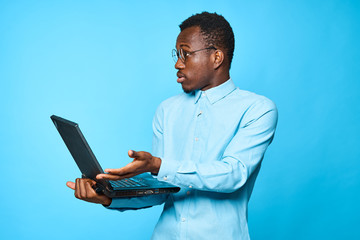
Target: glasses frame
182,54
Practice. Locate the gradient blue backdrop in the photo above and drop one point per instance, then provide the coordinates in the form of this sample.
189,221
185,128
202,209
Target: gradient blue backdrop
107,65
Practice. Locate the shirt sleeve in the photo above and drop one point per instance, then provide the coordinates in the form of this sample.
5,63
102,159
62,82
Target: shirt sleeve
123,204
240,159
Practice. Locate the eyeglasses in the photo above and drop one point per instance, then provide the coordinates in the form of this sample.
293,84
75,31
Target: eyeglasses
182,54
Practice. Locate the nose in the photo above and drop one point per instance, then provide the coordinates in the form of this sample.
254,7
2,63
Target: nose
179,64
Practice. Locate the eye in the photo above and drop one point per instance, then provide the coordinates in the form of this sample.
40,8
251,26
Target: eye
185,53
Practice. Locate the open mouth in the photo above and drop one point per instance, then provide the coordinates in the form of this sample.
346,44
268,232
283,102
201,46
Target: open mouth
181,77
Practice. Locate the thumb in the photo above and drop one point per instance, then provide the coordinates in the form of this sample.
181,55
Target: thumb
132,154
71,185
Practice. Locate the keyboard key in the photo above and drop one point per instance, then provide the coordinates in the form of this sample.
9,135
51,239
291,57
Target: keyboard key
127,182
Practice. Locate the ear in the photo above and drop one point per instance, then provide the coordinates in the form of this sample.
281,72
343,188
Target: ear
218,58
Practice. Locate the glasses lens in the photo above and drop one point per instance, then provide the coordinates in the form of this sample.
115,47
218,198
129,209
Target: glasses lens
182,55
175,55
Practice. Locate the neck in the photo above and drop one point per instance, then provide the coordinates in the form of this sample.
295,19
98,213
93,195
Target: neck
218,79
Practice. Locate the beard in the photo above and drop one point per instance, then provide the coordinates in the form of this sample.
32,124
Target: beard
188,91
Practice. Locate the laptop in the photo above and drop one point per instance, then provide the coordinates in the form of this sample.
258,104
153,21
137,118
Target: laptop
138,186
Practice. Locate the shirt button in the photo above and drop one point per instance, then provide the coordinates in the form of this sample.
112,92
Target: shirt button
196,139
204,94
190,186
165,178
183,219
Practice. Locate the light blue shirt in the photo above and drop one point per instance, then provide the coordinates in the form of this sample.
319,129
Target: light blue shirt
211,144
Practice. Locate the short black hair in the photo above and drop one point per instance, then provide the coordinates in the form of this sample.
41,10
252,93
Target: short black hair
215,30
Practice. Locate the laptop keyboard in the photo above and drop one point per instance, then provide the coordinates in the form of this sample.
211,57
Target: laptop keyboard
127,182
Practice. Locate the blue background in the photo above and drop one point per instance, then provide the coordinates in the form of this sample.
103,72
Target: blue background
107,65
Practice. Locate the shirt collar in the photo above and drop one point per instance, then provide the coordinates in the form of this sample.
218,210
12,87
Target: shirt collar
216,93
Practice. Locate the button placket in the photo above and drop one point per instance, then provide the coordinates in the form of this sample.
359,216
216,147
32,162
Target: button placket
199,118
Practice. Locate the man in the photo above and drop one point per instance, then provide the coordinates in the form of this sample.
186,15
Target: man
209,140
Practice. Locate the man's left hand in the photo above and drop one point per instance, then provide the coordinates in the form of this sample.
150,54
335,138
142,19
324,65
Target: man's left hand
143,162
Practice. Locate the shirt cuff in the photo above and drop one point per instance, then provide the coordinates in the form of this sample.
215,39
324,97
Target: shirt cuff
167,171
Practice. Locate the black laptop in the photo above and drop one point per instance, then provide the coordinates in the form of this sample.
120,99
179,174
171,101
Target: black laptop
141,185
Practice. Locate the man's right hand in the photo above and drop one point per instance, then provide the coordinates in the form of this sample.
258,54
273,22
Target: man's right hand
84,191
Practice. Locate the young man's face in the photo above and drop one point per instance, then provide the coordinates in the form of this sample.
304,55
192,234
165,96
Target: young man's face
197,70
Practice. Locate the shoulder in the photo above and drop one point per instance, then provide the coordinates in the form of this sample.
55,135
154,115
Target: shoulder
254,107
253,101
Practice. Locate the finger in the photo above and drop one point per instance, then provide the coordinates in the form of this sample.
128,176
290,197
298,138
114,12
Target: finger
90,192
118,171
82,188
139,155
128,169
77,188
132,153
130,175
109,176
117,177
90,181
70,185
127,172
